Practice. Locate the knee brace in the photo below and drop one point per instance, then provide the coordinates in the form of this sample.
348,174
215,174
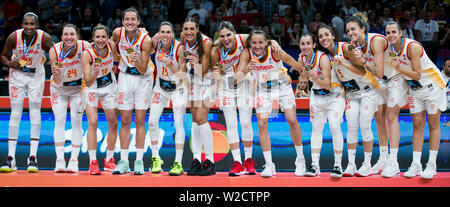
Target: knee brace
231,122
77,131
153,122
245,119
316,135
338,139
366,128
35,119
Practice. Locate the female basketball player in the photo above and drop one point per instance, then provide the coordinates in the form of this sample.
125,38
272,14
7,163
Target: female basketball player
26,76
368,49
361,92
326,102
197,48
99,78
134,86
272,83
170,86
66,87
427,88
224,60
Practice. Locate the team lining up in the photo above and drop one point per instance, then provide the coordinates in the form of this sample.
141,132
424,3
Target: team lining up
370,77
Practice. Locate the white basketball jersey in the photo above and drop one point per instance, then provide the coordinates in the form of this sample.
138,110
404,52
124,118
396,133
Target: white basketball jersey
194,50
107,64
35,57
267,69
315,63
123,45
347,77
163,72
430,73
71,65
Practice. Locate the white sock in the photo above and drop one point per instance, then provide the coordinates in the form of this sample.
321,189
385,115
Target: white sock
338,159
124,154
315,158
236,155
248,152
268,157
178,155
384,152
393,154
92,155
299,150
416,156
351,155
12,144
155,150
139,153
109,154
75,152
432,156
367,157
59,150
34,144
206,137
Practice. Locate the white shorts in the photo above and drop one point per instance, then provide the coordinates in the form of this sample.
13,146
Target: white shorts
240,97
429,98
22,83
134,91
282,93
61,96
330,106
107,96
202,92
394,92
179,97
360,107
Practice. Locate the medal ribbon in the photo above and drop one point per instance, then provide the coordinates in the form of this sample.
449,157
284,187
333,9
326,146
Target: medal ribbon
61,56
393,48
25,47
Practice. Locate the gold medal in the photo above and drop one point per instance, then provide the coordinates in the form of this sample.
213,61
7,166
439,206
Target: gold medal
308,67
392,54
58,64
220,66
186,54
130,50
334,64
351,47
22,63
98,60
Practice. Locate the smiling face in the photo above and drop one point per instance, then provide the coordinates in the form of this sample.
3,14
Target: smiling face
100,38
393,34
69,36
326,38
307,45
190,30
354,31
258,43
226,36
131,21
29,25
166,34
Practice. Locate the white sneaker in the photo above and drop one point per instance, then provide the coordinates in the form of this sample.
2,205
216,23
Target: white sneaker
300,168
350,170
429,172
414,170
392,169
9,166
60,166
378,167
364,170
336,172
269,170
313,172
72,167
